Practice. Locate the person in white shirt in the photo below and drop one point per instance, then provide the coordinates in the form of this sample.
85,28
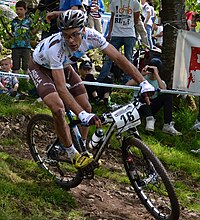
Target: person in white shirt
158,34
124,16
148,23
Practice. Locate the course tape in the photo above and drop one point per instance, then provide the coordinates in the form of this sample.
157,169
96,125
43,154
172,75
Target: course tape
14,74
177,92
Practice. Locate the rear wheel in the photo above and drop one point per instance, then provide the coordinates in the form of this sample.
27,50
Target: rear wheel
150,180
49,153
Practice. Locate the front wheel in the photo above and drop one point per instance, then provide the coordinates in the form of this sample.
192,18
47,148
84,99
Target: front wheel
49,153
150,180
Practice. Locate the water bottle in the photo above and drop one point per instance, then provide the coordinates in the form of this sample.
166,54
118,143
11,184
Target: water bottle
96,138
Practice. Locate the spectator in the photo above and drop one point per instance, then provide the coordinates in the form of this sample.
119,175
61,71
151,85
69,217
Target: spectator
158,34
151,73
196,125
148,23
94,17
32,5
153,12
95,93
85,4
191,20
48,6
122,21
141,31
21,30
70,4
9,84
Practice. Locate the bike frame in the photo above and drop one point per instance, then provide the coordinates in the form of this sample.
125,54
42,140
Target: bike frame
106,118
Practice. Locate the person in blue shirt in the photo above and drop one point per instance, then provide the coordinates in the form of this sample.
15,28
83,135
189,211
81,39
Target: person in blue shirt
70,4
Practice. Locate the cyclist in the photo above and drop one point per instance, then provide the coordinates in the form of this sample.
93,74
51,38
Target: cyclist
50,70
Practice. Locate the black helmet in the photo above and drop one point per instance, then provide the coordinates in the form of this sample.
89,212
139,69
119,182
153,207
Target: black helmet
71,19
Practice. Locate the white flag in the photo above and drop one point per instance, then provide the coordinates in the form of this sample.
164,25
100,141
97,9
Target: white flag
187,62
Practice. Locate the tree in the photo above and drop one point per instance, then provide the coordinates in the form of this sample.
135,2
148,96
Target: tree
173,18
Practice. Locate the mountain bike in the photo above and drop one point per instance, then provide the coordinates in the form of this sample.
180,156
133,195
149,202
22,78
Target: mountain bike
146,174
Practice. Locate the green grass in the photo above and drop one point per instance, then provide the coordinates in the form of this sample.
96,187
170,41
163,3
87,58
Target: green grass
27,194
11,107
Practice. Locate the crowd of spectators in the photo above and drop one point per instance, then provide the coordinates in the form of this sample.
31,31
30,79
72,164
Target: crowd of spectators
130,22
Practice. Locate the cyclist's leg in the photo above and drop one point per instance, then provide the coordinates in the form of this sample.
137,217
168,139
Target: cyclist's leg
49,95
47,91
79,93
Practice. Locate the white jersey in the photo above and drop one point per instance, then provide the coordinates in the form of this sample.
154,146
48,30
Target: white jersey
53,52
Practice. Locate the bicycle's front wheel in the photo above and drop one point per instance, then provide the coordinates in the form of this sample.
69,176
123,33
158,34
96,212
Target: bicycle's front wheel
150,180
49,153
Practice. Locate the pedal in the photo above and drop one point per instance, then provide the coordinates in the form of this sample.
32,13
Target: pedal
88,171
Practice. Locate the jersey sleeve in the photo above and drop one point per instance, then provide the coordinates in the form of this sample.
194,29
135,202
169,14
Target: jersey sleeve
96,40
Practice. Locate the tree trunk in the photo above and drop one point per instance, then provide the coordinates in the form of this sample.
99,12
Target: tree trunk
173,18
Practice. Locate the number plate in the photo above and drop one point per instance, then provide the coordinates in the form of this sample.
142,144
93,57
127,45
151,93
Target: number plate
126,117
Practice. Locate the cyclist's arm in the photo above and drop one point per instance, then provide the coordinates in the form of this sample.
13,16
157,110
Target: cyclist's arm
68,99
123,63
131,82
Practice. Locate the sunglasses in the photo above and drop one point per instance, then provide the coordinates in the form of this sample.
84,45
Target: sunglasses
73,36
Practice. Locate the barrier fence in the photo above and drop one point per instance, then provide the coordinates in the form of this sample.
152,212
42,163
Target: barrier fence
174,92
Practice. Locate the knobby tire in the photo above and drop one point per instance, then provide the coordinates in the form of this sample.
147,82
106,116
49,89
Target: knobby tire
40,137
150,180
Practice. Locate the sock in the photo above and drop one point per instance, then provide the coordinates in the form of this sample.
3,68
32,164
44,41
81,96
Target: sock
84,142
71,151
